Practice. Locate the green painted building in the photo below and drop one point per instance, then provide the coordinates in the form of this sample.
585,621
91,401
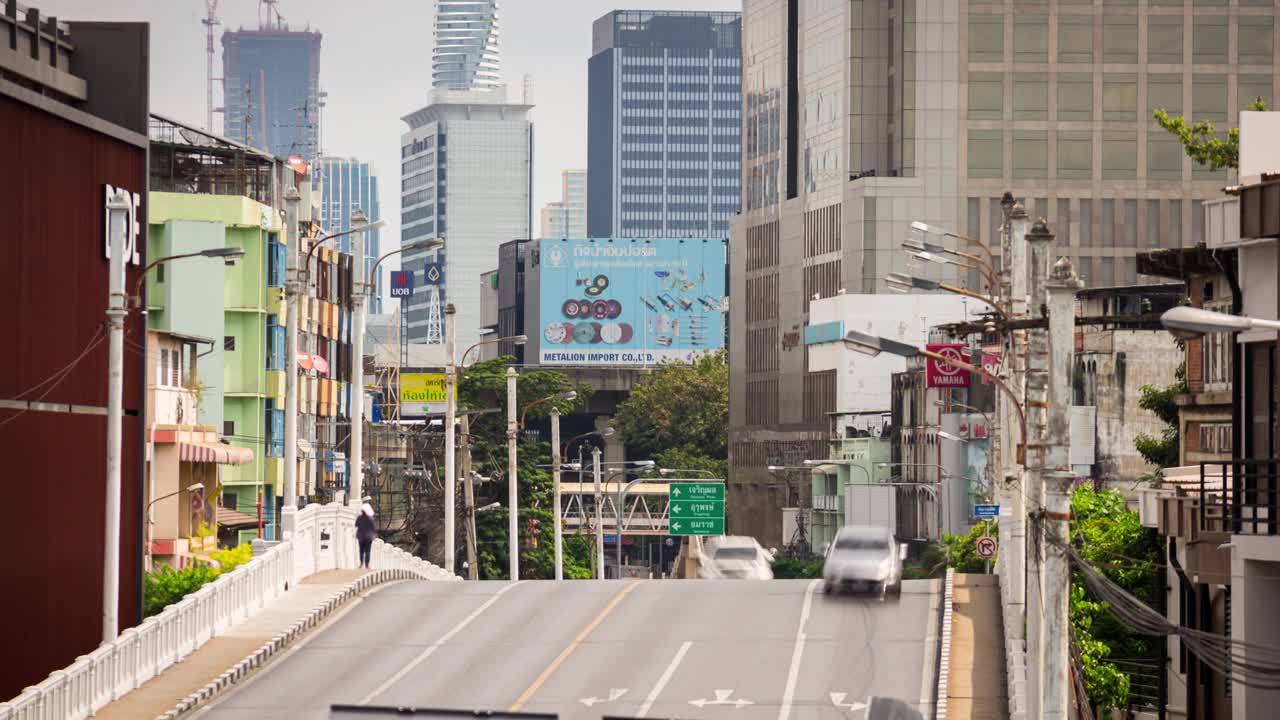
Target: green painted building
840,488
241,306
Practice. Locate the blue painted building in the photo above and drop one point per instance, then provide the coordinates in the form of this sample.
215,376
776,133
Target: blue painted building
663,123
347,184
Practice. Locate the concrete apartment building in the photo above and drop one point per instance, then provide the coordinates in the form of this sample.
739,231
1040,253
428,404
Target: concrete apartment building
466,174
567,217
663,127
860,117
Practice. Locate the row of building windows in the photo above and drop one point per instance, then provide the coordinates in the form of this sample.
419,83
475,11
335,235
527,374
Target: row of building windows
417,181
417,214
762,298
635,56
656,208
657,156
418,163
1074,156
1075,95
417,197
426,228
420,146
1119,38
678,104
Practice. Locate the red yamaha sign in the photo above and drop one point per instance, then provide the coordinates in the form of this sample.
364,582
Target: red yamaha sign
943,374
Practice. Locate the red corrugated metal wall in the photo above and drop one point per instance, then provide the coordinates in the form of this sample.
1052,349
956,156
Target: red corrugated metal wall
54,294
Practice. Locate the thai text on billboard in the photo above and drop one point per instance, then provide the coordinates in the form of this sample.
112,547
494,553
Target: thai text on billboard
630,302
422,394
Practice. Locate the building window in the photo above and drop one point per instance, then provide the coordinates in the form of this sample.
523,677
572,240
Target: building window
986,154
1164,92
1030,154
229,428
163,376
1075,39
1209,40
1030,96
1120,38
1164,39
160,273
229,343
1031,39
1075,96
1120,97
1119,155
1075,156
986,37
1215,437
986,96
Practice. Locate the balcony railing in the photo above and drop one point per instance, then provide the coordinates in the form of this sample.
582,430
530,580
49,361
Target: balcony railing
1240,496
828,503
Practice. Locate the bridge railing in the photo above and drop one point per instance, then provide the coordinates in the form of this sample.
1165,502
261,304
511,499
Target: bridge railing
323,539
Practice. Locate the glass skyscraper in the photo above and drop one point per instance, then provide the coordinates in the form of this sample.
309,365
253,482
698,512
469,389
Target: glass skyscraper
271,90
567,218
663,146
466,45
347,184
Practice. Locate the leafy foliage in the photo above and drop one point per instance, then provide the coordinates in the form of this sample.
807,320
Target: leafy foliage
785,568
1110,536
537,551
231,558
682,407
164,586
961,551
1162,451
1200,141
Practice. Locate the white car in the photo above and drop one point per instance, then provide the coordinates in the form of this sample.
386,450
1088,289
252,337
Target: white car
736,558
864,558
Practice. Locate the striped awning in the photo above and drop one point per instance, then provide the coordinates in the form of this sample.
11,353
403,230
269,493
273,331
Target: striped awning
214,453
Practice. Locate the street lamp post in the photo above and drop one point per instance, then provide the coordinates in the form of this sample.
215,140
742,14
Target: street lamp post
603,432
513,521
902,282
292,289
1189,323
595,462
117,310
620,501
450,433
555,489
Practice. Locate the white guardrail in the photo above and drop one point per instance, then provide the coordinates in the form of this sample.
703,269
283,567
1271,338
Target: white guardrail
323,539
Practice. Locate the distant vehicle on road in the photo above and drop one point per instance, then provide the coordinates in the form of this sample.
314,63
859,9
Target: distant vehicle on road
864,557
736,558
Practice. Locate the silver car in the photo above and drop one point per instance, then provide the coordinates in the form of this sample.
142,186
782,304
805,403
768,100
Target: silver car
864,558
736,558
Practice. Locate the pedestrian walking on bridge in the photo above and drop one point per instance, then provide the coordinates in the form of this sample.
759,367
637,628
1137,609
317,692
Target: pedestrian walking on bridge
366,531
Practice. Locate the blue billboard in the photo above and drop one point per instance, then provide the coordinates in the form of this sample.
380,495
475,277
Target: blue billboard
630,302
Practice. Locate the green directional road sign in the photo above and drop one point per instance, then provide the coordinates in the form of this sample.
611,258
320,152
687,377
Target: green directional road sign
697,508
697,526
697,491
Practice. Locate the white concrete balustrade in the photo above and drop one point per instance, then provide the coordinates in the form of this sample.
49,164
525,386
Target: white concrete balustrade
323,539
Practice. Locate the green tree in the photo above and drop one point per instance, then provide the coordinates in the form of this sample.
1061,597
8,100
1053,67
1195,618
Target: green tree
1200,141
680,407
961,551
1110,536
537,547
1161,451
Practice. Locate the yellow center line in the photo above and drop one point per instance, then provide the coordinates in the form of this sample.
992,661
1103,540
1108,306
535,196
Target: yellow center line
573,645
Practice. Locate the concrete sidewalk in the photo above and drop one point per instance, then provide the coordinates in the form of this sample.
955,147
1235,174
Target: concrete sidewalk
977,681
241,640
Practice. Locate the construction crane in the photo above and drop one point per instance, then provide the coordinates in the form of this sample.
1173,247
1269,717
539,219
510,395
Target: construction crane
210,20
269,6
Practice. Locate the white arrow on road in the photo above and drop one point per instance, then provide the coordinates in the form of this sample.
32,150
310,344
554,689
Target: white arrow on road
837,699
722,698
614,694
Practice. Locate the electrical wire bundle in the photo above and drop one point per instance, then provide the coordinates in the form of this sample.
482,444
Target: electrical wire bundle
1253,665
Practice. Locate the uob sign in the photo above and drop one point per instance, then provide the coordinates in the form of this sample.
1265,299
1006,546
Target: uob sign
132,227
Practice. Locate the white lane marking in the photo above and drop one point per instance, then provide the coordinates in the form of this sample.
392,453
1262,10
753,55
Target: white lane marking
436,645
722,698
837,699
614,694
794,673
662,681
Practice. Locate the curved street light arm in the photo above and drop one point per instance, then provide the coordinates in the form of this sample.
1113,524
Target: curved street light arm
977,296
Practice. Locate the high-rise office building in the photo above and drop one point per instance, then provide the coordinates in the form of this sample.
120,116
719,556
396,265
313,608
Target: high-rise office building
345,185
663,123
271,90
860,117
466,45
567,218
465,177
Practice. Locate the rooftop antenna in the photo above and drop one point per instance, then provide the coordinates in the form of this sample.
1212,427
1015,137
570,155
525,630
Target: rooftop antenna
266,8
209,21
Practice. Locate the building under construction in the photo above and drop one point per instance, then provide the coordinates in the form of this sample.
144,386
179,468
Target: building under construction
271,90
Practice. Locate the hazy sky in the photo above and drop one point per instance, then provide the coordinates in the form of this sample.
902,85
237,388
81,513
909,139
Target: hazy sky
375,63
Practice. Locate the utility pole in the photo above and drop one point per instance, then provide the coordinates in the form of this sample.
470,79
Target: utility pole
358,290
1056,573
293,289
450,412
555,480
1015,551
513,510
469,499
1038,241
118,209
595,461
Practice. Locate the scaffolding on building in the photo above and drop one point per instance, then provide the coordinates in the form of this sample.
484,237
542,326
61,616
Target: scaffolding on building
186,159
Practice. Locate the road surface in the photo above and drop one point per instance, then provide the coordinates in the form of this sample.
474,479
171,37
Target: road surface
731,650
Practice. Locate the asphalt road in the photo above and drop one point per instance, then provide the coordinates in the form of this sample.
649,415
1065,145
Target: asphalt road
737,650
